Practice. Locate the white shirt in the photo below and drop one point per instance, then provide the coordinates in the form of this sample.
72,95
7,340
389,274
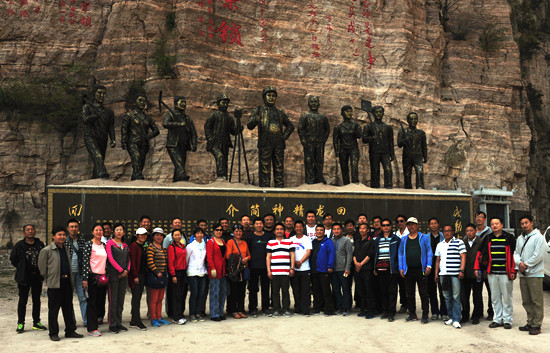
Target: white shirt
401,235
310,231
196,255
301,246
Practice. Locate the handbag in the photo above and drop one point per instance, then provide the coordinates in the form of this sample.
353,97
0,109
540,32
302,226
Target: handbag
233,268
156,282
246,271
101,280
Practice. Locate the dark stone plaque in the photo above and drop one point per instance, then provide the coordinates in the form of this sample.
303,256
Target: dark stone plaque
91,204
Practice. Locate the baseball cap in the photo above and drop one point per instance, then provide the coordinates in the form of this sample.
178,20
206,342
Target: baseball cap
412,220
141,230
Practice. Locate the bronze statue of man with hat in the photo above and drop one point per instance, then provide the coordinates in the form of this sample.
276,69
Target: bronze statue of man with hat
218,128
274,127
182,137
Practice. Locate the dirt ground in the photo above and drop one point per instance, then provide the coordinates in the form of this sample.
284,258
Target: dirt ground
297,333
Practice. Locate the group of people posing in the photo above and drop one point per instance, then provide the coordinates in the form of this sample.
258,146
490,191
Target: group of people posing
274,128
320,260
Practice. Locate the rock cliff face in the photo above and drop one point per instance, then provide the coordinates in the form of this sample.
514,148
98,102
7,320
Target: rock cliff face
399,54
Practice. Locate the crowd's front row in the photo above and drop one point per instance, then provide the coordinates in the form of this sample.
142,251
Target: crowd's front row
277,256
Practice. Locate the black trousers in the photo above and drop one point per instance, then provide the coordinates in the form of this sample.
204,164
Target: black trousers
471,286
137,293
363,282
266,157
349,158
402,291
221,154
258,276
434,290
413,278
388,291
408,164
235,300
280,286
35,287
314,160
61,298
178,155
301,290
138,154
178,294
322,294
96,303
117,292
375,160
96,149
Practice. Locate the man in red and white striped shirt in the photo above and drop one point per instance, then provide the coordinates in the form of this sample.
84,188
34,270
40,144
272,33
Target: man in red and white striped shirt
280,266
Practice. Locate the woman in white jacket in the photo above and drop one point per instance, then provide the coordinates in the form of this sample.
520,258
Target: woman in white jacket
196,274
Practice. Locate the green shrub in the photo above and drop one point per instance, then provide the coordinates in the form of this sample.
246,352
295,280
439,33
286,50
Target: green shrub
165,63
491,38
170,21
53,100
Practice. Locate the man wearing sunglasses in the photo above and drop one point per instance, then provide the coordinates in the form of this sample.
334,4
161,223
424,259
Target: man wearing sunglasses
386,268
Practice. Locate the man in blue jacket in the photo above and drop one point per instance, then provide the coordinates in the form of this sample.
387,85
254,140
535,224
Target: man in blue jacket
322,260
415,264
386,268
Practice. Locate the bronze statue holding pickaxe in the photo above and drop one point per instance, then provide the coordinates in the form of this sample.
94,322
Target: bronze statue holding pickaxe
182,136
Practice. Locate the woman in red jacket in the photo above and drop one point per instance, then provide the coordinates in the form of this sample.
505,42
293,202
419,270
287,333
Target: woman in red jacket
215,257
177,265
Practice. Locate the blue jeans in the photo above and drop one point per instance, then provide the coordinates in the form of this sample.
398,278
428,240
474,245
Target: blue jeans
452,297
197,287
341,288
82,296
218,293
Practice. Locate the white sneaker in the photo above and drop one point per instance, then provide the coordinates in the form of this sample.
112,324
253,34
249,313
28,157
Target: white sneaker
449,322
182,321
456,324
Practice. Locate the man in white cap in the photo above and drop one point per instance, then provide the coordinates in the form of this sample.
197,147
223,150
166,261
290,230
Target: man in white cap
415,264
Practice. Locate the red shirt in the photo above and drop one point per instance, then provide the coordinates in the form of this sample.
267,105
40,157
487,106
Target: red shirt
177,258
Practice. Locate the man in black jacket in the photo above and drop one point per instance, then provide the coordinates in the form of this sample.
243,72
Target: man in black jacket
218,130
182,137
24,257
470,284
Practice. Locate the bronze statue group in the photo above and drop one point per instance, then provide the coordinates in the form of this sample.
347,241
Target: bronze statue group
274,128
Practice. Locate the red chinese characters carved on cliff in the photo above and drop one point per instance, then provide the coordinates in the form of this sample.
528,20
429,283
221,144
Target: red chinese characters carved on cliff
75,12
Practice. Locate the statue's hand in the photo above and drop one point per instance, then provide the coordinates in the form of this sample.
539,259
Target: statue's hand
426,160
113,144
194,149
123,146
392,158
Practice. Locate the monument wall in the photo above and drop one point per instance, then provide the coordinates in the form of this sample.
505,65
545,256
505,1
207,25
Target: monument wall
396,54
